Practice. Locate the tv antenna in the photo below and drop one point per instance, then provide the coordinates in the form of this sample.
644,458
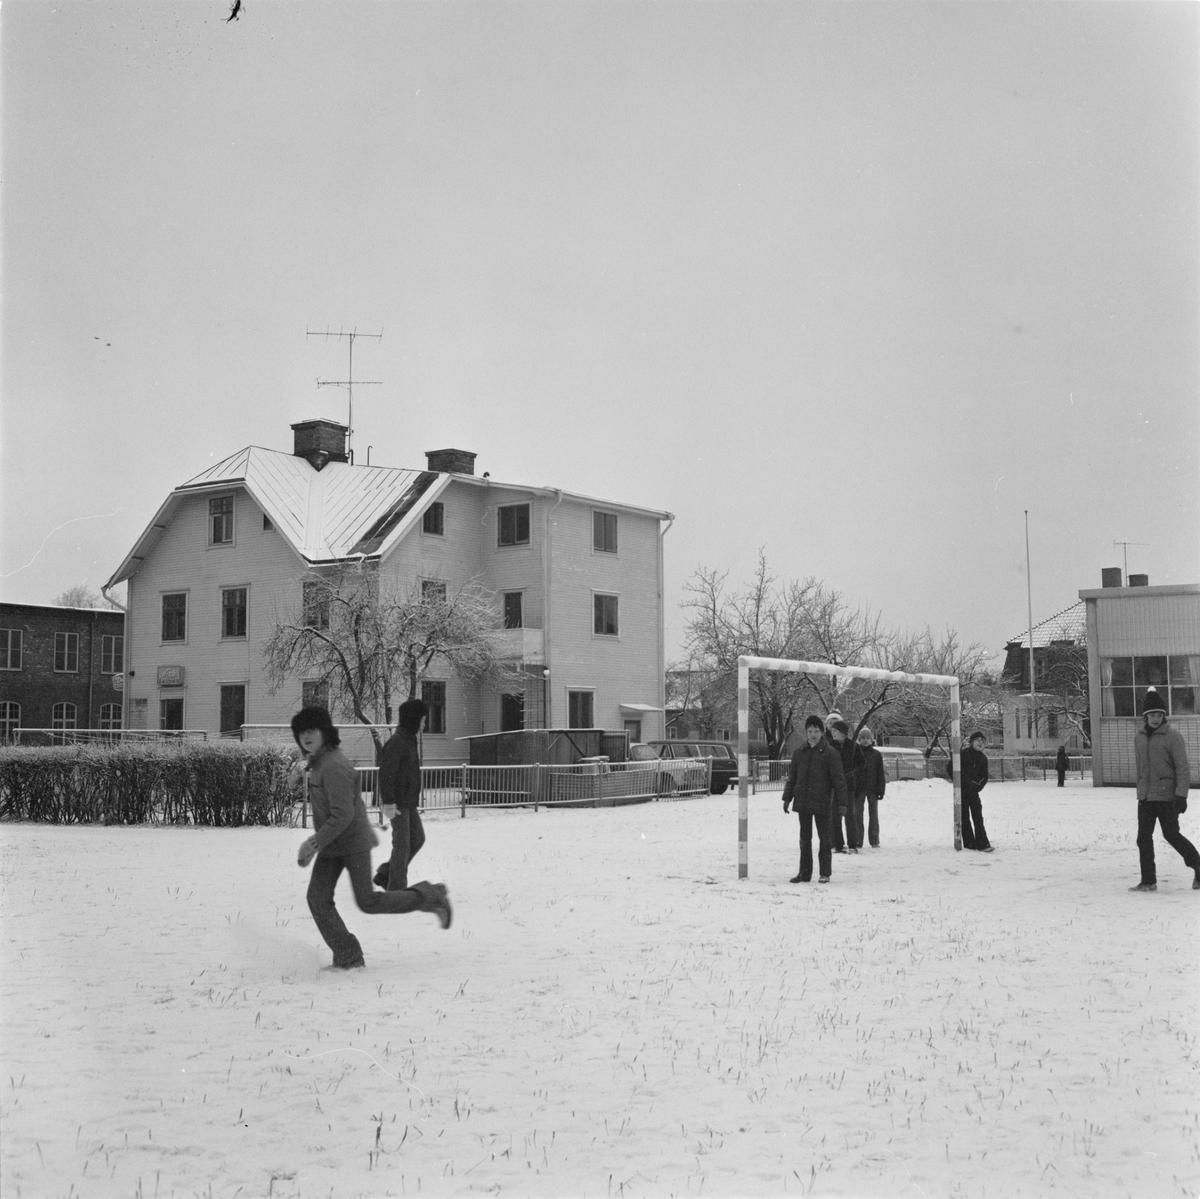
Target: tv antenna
349,382
1125,546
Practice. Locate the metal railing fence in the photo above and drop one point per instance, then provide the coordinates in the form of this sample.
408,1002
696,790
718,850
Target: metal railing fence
43,737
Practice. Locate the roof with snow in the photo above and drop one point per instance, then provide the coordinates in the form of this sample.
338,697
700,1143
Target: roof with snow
1068,626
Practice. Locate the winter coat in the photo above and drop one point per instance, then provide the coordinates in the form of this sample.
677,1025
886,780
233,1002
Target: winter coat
400,771
1163,773
339,814
852,764
872,777
1060,760
814,778
973,772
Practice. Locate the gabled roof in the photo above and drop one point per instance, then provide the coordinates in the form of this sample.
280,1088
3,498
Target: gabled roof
338,512
1069,625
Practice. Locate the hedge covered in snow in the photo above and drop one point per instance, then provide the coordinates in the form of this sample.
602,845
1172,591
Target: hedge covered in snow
221,784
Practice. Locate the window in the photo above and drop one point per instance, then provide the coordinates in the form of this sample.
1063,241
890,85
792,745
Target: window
1052,724
724,735
579,710
433,591
434,519
220,520
314,693
604,532
604,622
233,612
10,719
10,649
170,714
434,695
62,716
174,617
512,713
66,653
513,618
110,716
316,606
112,654
267,525
633,730
1124,682
512,522
233,707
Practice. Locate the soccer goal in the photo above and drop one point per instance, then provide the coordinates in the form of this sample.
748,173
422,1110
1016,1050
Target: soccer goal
746,664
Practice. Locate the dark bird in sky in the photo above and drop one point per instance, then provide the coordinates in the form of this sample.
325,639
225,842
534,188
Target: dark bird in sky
233,14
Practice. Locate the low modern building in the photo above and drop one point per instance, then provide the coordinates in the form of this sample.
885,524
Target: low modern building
60,668
578,584
1138,637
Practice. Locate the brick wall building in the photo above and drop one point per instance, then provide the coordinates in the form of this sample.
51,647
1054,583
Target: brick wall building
60,667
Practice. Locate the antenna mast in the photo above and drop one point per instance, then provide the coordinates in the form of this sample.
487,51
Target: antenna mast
349,381
1125,546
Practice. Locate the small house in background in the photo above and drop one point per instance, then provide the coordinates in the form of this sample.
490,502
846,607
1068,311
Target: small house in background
1058,712
1138,637
60,668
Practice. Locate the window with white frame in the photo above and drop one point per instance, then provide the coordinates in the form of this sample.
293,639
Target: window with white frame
112,653
580,710
434,520
604,532
233,707
110,716
604,615
512,524
62,716
233,612
434,695
315,603
10,719
174,616
170,714
1124,682
513,610
220,520
66,653
11,641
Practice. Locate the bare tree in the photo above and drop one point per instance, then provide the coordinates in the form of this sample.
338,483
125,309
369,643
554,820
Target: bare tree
372,646
705,694
1062,682
82,596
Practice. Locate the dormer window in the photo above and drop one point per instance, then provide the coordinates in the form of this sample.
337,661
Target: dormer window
220,520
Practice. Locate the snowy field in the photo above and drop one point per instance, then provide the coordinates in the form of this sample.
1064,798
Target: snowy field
613,1013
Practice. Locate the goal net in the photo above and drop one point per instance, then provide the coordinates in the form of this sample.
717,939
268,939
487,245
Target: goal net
746,664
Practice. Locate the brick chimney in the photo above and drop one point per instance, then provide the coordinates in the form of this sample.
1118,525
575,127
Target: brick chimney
1110,576
320,441
454,462
1139,580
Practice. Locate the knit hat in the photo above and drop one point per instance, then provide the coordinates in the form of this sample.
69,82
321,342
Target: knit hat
814,722
842,727
1152,703
831,718
866,732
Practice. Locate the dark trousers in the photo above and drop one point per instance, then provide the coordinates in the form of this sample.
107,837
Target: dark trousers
1167,815
853,837
824,851
872,820
325,874
408,835
1062,778
972,814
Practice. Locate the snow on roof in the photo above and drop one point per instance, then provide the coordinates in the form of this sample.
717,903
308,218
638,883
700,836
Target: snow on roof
1069,625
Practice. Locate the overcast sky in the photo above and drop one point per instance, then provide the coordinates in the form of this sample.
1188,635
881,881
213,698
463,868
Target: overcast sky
853,283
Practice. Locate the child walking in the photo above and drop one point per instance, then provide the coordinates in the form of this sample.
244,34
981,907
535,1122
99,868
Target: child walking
342,840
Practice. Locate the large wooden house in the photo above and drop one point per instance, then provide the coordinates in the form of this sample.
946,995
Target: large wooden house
578,583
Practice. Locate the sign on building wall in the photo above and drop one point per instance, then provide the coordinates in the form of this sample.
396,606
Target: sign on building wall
170,676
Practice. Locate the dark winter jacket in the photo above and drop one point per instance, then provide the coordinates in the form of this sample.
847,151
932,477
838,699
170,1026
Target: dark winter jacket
1060,760
814,778
973,772
400,771
1163,773
872,777
339,814
852,764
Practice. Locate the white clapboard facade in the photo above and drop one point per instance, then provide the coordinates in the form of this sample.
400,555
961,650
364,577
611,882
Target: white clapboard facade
579,581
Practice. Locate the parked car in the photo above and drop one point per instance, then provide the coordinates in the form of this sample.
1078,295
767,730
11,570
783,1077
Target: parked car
672,775
724,758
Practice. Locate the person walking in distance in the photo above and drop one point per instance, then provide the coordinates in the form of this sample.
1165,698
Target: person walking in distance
1061,764
342,840
852,760
872,782
1163,775
815,786
400,793
973,774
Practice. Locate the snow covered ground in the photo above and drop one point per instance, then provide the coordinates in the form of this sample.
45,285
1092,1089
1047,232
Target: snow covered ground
613,1013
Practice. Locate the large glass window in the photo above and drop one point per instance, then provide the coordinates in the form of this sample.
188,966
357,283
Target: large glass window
233,707
112,654
434,695
174,617
1124,682
10,649
220,520
580,710
66,653
512,524
233,612
604,532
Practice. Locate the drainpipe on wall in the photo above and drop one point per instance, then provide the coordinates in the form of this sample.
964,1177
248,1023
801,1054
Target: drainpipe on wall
662,633
124,653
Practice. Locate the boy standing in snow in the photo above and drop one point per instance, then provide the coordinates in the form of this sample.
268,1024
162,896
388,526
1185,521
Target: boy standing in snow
342,840
815,784
872,782
973,775
1163,775
400,793
852,760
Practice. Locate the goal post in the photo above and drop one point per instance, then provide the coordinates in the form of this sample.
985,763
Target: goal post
747,663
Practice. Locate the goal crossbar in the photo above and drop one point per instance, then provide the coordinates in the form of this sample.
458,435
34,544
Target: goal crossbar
747,663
